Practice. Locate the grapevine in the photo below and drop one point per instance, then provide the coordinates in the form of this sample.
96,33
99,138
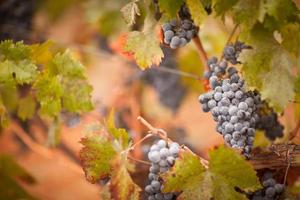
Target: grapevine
111,90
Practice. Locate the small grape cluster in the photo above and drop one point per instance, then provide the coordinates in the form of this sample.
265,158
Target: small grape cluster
232,51
268,122
177,33
271,189
162,156
232,107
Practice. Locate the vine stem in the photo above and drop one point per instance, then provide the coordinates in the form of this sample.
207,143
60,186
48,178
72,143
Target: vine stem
201,51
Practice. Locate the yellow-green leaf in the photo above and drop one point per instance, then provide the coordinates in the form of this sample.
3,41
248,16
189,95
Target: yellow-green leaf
170,7
227,171
122,186
197,11
96,156
130,11
145,48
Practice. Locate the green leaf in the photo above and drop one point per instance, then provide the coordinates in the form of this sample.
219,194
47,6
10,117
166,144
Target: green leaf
96,156
145,47
279,81
227,170
248,12
10,96
77,95
9,187
221,6
41,53
197,11
14,51
26,107
64,64
49,92
233,169
22,72
291,38
170,7
130,11
282,10
118,133
186,175
268,68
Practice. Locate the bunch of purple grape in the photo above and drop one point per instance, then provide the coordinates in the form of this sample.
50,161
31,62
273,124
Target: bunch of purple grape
177,33
162,156
232,107
271,189
232,51
268,122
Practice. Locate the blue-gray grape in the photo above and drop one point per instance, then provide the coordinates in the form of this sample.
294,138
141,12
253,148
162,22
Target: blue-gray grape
182,29
162,156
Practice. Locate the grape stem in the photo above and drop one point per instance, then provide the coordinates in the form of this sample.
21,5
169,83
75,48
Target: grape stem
161,133
201,51
138,160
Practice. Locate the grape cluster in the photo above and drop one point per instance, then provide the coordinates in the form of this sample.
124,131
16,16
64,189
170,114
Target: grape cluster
178,33
15,19
168,86
268,122
162,156
232,51
232,107
271,189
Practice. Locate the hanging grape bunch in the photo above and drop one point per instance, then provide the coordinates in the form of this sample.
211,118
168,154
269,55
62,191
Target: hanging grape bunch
232,51
177,33
268,122
162,156
271,189
232,107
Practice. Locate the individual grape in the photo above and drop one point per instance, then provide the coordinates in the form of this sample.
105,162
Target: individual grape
166,27
232,110
174,148
161,143
169,34
183,42
164,152
212,103
243,106
154,156
270,192
279,188
175,42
